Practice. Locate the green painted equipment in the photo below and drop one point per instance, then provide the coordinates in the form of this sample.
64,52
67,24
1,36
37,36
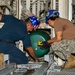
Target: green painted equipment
36,36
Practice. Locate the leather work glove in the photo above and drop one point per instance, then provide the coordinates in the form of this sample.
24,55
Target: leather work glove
43,45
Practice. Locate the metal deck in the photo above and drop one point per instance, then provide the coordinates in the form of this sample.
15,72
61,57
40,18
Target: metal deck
64,72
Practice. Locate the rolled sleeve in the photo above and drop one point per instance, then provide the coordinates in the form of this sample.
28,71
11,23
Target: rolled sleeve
26,41
58,26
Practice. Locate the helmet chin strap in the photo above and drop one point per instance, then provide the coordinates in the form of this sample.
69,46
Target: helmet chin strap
35,27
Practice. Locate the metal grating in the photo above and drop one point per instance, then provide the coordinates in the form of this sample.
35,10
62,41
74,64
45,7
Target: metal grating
62,73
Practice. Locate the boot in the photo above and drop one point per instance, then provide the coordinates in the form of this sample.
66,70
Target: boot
70,63
1,59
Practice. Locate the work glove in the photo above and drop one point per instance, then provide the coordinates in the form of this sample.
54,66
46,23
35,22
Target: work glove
43,45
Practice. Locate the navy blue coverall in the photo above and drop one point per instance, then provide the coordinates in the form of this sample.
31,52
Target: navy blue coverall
12,30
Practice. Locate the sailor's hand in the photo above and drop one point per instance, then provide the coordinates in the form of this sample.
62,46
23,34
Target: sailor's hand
37,60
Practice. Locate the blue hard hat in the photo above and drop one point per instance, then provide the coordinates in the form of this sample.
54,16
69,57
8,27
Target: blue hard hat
34,20
51,13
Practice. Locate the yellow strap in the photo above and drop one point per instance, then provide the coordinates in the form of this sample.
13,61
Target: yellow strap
40,43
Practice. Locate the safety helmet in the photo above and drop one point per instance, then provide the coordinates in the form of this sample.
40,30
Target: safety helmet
51,13
34,20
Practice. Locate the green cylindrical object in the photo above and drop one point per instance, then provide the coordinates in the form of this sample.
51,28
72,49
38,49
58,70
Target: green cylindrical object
39,36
